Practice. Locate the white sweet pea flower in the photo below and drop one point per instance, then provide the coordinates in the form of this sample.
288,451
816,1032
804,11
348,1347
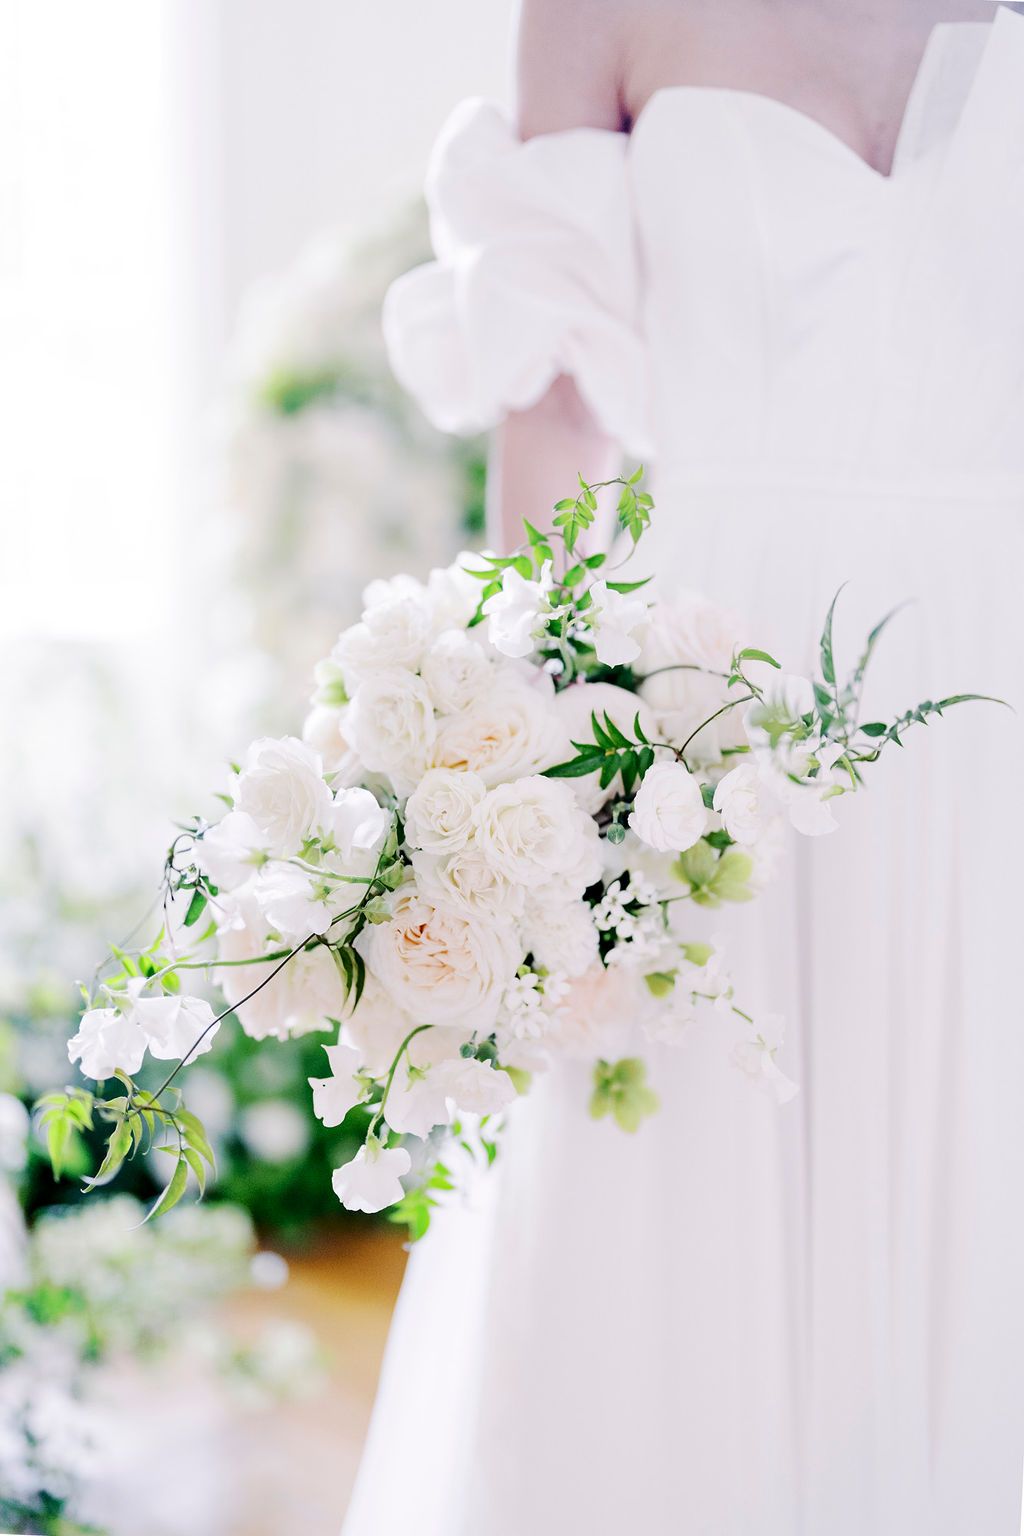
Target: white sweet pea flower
744,802
304,995
417,1101
476,1087
518,613
372,1180
668,813
107,1039
456,671
391,726
173,1025
613,618
440,813
297,904
282,788
229,852
334,1096
354,829
754,1055
377,1028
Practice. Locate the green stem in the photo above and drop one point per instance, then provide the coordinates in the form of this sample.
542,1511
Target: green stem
391,1075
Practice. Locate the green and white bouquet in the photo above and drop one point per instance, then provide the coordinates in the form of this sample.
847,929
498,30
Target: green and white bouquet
518,780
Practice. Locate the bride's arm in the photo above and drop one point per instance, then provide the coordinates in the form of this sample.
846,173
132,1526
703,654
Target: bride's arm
567,77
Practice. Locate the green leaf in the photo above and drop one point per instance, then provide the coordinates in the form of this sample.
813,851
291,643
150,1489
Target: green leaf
628,586
196,907
638,730
578,768
660,983
617,737
172,1193
118,1147
195,1135
828,666
198,1167
750,654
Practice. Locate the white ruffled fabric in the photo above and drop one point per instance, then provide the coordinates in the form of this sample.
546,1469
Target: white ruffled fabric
536,276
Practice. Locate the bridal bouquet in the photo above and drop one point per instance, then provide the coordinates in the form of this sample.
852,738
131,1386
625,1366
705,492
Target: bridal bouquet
517,780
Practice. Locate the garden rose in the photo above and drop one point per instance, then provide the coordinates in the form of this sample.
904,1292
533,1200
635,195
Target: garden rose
391,726
440,964
440,813
281,786
530,830
456,671
668,813
512,730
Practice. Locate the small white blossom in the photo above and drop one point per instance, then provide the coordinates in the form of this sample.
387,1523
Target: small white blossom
107,1039
613,619
518,613
230,851
173,1025
372,1180
754,1055
334,1096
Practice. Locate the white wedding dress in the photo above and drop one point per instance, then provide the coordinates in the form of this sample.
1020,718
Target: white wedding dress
747,1320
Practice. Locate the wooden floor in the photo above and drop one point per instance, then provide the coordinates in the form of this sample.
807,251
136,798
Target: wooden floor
201,1463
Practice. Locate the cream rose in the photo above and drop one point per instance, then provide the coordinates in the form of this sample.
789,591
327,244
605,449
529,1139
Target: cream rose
668,813
440,964
509,732
466,879
282,788
440,813
530,830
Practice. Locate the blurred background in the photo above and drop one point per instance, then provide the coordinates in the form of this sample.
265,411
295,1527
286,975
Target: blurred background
204,460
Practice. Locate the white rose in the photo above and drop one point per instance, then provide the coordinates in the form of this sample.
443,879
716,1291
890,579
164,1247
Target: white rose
392,634
583,869
467,880
561,937
516,615
372,1180
442,965
668,813
385,590
456,671
744,803
453,593
324,732
690,628
107,1039
687,633
613,619
509,732
391,726
304,995
440,813
530,830
176,1027
282,788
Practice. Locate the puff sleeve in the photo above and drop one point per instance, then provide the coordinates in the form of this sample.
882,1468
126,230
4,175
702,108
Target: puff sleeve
536,276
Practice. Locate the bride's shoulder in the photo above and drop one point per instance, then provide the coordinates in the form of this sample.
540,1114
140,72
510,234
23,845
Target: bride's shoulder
569,65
